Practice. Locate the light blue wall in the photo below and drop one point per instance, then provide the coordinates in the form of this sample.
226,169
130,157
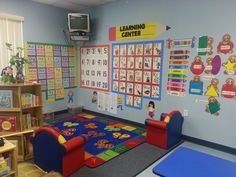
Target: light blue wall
42,23
187,18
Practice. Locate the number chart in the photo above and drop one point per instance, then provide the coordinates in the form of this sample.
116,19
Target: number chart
94,67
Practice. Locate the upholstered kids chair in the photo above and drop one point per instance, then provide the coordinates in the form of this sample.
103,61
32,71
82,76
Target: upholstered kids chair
165,132
53,153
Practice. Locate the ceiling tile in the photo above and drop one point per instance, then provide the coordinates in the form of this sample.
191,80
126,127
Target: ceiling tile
69,5
47,1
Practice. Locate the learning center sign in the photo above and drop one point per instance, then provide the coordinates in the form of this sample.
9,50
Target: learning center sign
137,31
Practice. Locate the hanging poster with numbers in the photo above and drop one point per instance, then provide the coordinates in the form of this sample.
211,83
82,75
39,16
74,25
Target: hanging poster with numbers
94,67
136,71
53,66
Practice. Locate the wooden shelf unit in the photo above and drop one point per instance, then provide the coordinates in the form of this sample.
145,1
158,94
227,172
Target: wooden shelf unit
24,125
11,149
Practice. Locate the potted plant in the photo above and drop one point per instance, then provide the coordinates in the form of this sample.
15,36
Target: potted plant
18,61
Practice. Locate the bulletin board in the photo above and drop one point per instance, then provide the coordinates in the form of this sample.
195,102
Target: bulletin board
94,67
136,71
52,65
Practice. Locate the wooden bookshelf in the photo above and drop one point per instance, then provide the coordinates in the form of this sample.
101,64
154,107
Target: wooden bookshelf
10,149
26,100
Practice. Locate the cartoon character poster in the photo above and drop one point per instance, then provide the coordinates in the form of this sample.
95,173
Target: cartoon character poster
137,71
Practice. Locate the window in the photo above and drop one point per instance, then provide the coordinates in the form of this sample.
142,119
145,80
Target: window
11,31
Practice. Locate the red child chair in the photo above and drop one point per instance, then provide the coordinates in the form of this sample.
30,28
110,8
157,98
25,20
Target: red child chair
165,132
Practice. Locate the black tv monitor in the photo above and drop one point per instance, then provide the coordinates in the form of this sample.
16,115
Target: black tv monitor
78,22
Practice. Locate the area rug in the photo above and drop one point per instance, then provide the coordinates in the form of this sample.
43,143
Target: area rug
186,162
107,139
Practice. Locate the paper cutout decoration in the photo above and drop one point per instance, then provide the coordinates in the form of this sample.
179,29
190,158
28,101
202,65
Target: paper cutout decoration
70,95
94,97
205,46
197,67
196,86
229,89
230,65
120,102
208,68
151,109
177,72
138,31
212,89
179,52
225,46
174,43
213,65
213,106
216,64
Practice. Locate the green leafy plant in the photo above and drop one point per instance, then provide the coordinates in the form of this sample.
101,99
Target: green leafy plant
18,61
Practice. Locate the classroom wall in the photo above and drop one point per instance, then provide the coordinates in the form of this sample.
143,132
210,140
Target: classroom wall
45,24
187,18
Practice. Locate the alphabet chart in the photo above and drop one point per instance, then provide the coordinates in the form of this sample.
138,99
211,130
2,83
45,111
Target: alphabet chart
52,65
94,67
136,71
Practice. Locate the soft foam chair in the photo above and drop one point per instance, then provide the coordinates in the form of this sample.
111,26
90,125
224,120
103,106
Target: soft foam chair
165,132
53,153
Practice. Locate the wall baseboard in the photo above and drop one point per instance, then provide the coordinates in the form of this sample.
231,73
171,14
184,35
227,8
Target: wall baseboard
210,144
185,137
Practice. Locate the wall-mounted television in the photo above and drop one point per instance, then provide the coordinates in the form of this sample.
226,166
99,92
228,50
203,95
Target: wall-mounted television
78,22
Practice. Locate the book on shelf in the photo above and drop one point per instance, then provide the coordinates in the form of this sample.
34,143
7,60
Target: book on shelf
8,123
29,100
6,99
30,121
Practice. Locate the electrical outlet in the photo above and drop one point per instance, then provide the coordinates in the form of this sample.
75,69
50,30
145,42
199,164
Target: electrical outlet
185,113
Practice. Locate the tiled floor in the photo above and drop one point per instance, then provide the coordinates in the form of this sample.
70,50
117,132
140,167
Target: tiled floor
148,172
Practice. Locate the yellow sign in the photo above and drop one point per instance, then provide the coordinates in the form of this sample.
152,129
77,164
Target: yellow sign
137,31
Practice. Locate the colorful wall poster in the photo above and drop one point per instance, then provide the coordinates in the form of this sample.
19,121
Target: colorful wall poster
136,71
52,65
145,30
177,72
94,67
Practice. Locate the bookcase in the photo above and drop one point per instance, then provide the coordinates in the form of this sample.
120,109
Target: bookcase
20,114
9,162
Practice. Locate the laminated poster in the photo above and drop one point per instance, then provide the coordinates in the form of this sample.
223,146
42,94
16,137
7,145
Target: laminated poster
53,66
136,71
94,67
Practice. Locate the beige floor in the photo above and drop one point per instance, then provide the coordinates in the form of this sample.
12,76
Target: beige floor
26,169
29,170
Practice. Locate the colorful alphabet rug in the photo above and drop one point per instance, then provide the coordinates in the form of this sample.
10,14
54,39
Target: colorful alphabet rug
107,139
